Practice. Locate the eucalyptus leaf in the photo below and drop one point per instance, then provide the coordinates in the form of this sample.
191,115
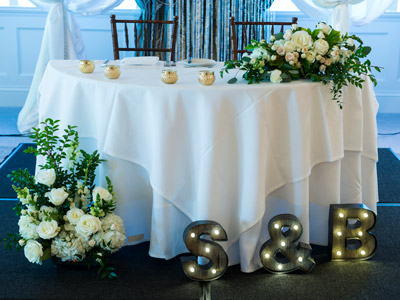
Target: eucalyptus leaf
232,80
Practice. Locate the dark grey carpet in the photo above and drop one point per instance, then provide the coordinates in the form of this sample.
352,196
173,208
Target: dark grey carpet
388,176
143,277
388,173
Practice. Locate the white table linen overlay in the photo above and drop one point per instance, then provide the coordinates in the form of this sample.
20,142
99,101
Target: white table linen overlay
235,154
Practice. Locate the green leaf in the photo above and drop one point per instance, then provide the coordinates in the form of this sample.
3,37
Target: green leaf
246,58
279,36
367,50
232,80
46,254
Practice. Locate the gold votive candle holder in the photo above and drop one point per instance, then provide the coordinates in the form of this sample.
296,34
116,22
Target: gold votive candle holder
169,76
206,77
86,66
112,71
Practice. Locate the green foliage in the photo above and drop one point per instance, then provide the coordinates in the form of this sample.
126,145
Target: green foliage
75,174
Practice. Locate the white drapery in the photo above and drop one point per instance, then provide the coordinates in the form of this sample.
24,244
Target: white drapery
342,13
62,39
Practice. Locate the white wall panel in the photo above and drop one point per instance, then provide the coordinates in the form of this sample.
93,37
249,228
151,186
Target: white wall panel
28,50
2,54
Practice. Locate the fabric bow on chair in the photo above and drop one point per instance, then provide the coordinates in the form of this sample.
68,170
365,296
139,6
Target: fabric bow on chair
340,16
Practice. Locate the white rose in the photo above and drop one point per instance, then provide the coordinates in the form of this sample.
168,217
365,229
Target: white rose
272,38
273,57
350,42
33,251
325,28
310,56
276,76
48,230
288,34
294,26
22,242
57,196
88,225
321,46
104,194
74,214
303,55
27,229
289,46
302,39
46,177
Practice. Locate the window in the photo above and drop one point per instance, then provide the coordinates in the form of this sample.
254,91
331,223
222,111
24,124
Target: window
127,4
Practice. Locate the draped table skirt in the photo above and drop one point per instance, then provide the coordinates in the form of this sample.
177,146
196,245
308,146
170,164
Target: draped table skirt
235,154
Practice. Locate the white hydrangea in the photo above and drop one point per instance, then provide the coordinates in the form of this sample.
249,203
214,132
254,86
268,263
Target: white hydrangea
110,240
69,247
113,221
46,209
27,228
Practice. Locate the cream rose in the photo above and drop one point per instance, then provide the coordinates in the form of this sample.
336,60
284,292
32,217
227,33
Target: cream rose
350,42
302,39
322,68
276,76
281,51
33,251
88,225
289,56
46,177
310,56
57,196
325,28
288,34
74,214
321,46
48,230
104,194
289,46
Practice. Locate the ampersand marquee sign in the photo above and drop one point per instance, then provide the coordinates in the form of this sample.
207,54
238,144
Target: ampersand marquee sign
280,254
349,232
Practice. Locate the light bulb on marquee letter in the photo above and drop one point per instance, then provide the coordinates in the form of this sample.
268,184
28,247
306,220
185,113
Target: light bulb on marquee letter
218,259
355,240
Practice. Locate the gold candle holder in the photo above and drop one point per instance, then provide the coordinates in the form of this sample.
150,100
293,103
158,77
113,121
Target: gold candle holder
206,77
86,66
169,76
112,71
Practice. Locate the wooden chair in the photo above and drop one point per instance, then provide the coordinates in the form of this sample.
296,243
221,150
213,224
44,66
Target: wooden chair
152,42
248,31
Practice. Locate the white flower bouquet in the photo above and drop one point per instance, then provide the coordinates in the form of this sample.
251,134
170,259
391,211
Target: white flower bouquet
62,213
322,55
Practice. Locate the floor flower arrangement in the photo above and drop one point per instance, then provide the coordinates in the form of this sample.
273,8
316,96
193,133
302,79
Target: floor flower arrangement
62,214
323,55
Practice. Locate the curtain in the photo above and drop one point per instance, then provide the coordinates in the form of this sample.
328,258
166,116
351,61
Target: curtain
342,13
204,30
62,39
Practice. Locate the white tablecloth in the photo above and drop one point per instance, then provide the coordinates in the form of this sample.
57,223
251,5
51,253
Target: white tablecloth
236,154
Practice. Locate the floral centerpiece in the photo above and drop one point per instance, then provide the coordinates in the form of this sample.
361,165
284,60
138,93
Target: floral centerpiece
322,54
61,212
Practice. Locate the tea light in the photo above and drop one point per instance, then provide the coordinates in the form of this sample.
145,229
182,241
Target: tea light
206,77
86,66
112,71
169,76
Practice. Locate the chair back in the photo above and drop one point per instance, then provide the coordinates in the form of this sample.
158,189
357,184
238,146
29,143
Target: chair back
243,32
153,33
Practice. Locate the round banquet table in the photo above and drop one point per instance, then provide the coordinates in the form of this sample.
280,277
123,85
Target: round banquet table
235,154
